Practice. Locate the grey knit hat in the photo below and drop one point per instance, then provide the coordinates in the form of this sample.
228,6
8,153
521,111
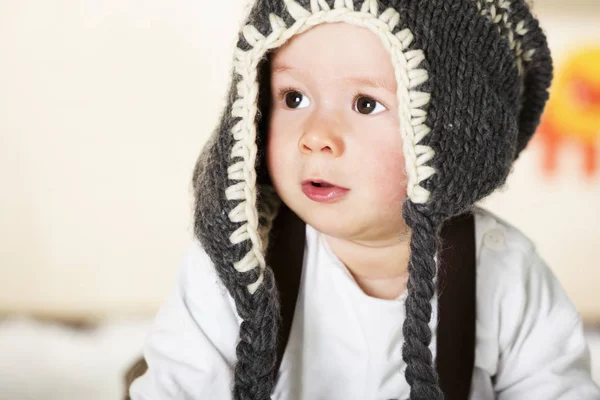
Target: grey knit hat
472,81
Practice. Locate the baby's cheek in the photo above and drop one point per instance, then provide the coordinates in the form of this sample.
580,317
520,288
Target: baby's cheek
280,161
388,174
274,158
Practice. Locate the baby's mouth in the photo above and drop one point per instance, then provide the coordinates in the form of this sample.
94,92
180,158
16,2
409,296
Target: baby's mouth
320,183
322,191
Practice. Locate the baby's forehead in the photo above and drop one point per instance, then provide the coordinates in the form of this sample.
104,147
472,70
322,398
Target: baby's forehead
335,50
332,39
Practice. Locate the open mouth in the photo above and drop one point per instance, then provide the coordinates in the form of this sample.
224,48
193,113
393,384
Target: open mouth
322,191
321,184
318,183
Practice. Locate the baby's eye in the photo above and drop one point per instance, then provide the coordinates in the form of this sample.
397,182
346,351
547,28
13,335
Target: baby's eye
295,99
368,106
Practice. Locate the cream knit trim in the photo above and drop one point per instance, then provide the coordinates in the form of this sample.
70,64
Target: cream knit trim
497,11
412,114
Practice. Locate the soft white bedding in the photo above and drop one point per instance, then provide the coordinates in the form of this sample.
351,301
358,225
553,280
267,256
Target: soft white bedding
53,362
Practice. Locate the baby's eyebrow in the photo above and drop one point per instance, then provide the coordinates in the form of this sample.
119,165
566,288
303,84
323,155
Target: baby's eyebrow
373,82
277,68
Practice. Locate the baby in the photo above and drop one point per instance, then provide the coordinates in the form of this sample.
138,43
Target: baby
358,135
334,121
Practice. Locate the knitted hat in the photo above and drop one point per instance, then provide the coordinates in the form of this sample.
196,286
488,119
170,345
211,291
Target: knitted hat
472,83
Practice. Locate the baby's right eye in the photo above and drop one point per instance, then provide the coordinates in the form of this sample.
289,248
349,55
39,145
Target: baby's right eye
295,99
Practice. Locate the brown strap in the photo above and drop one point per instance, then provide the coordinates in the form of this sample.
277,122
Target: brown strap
285,256
456,307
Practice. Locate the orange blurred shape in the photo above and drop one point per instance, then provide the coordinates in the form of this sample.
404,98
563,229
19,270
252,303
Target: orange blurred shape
573,110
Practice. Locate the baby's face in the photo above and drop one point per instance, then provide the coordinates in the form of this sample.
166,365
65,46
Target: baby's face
334,118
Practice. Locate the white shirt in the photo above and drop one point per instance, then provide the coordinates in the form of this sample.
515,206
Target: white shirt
347,345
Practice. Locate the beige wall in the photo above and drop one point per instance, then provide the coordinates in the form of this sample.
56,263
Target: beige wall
104,107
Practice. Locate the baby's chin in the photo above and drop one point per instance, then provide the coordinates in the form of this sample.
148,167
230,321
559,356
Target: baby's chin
343,219
332,222
350,222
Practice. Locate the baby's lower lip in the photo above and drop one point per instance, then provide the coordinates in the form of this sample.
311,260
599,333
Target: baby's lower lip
323,194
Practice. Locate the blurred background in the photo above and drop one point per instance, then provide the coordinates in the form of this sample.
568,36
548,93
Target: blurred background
104,107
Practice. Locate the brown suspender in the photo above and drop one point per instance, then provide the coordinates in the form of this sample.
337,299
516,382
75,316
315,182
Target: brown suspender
456,302
285,256
456,307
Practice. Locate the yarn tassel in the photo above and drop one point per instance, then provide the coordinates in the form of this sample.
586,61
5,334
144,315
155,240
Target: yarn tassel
420,373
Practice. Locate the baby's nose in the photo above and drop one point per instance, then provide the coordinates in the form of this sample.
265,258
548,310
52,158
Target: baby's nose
313,142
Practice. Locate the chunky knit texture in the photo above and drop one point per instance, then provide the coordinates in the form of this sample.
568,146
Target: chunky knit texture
472,84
